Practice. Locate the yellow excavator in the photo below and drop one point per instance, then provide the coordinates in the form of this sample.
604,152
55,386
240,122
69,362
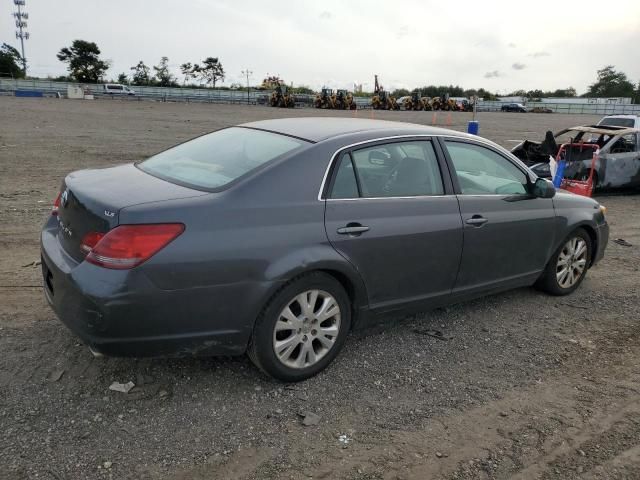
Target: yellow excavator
417,102
341,100
281,97
383,100
345,100
443,102
325,99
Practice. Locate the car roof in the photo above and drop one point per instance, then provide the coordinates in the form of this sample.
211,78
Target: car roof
601,130
620,116
317,129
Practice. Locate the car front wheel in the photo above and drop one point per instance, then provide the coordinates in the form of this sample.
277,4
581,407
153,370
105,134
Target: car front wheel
302,329
568,266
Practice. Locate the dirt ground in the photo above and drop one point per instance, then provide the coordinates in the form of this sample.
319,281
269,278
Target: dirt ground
520,385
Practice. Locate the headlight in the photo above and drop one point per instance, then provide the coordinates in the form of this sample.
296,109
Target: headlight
603,209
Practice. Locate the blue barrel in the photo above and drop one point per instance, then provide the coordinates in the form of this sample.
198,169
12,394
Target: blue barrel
473,127
557,180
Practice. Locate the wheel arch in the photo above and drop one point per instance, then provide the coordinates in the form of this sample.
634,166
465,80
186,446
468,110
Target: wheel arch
591,232
317,259
593,236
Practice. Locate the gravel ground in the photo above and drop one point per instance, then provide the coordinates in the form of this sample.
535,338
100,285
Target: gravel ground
520,385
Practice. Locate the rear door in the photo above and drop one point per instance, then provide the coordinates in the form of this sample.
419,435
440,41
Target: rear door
393,215
508,233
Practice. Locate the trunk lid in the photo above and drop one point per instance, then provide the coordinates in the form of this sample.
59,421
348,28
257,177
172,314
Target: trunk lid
91,201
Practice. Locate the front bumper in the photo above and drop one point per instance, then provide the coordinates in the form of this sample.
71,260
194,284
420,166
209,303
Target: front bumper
122,313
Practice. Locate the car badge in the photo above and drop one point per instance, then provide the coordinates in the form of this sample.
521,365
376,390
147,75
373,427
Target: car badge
64,199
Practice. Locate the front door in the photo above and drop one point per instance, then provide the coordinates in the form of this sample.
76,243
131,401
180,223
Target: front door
388,213
508,233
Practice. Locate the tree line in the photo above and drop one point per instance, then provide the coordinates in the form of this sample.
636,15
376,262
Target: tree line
85,65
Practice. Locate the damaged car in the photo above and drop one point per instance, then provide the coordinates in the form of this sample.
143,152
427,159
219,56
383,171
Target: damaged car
617,165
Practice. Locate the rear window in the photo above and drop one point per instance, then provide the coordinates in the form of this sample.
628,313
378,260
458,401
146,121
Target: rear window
617,122
212,161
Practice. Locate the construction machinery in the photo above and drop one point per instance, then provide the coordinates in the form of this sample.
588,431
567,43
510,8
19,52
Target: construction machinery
417,102
345,100
383,100
325,99
281,97
341,100
443,103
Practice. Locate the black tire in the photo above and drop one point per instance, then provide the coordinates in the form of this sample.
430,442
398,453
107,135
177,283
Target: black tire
261,349
548,281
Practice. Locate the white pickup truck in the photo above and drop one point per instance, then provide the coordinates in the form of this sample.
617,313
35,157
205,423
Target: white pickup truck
628,121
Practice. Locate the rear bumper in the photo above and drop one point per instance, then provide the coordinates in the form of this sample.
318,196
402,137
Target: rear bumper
122,313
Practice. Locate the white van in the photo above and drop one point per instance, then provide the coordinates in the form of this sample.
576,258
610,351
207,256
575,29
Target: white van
117,89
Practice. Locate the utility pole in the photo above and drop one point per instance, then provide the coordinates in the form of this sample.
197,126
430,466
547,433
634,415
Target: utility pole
21,31
247,73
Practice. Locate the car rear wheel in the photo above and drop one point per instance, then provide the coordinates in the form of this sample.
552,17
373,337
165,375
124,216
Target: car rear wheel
302,329
568,266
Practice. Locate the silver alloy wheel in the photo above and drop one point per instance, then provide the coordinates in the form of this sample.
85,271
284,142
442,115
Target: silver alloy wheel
306,329
572,262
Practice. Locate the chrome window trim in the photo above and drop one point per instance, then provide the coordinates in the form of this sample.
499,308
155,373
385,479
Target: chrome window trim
393,137
385,198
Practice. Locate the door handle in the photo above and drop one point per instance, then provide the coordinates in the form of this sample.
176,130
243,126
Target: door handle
476,221
353,229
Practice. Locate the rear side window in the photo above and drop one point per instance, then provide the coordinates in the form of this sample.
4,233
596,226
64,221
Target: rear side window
345,184
401,169
212,161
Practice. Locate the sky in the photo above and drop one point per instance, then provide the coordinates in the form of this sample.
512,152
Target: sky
501,46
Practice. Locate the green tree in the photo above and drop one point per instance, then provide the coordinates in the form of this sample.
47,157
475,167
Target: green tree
10,62
302,90
84,63
187,71
564,92
123,78
611,84
210,71
163,74
141,74
400,92
535,94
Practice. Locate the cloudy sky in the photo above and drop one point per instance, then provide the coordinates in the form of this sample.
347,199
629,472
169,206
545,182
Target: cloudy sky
498,45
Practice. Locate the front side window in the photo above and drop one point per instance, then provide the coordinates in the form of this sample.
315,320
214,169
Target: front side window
216,159
482,171
401,169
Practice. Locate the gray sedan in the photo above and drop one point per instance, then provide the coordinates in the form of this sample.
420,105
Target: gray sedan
278,237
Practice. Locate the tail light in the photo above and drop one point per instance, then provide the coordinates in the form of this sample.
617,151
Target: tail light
89,241
127,246
56,205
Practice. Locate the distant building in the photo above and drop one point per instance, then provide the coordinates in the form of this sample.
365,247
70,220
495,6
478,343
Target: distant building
572,100
597,101
512,99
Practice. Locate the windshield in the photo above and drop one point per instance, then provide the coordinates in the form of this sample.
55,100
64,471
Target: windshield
216,159
617,122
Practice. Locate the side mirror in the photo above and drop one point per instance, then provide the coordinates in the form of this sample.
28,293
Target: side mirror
543,188
377,157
